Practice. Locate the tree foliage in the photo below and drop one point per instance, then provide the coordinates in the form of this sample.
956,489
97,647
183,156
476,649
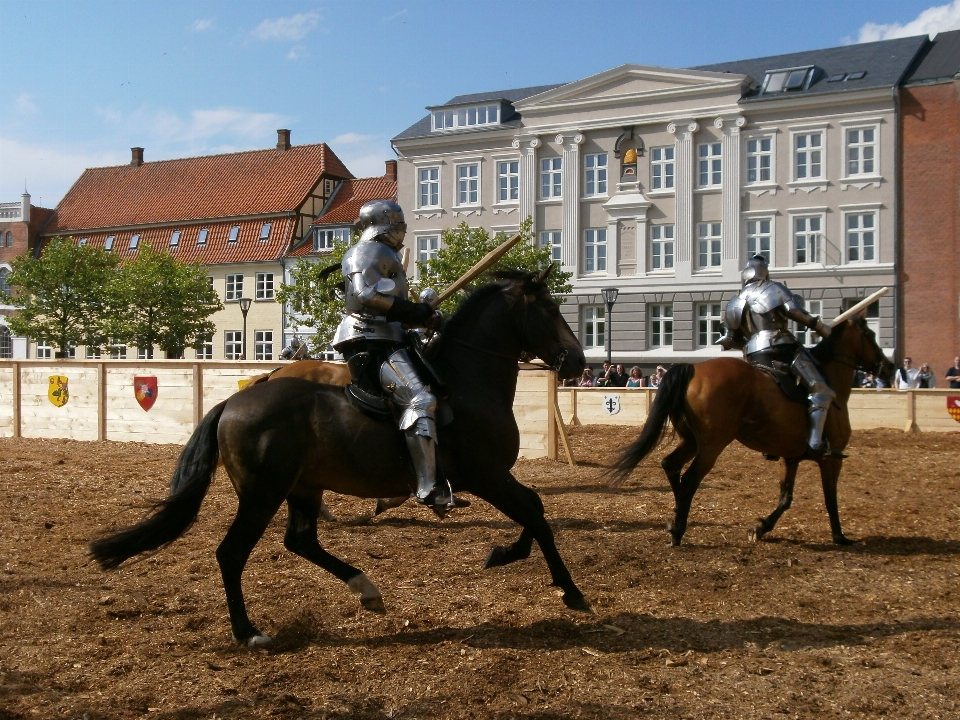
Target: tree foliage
63,296
316,294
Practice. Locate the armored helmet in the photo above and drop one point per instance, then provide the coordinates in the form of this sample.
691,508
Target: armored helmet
755,270
382,219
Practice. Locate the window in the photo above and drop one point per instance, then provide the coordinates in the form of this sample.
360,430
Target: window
806,239
427,247
836,78
117,352
861,150
709,243
6,343
553,238
108,243
594,326
508,180
759,160
661,247
872,314
234,287
233,344
595,174
861,237
264,286
175,238
709,323
808,156
204,348
83,242
594,251
144,354
661,326
551,177
134,241
429,179
44,350
710,164
202,236
9,239
265,232
661,168
325,239
234,234
858,75
263,344
327,187
4,285
787,79
466,117
758,237
804,334
468,184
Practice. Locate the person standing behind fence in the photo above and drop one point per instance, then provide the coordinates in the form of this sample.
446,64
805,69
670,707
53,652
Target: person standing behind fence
953,375
636,378
657,377
587,380
906,378
925,378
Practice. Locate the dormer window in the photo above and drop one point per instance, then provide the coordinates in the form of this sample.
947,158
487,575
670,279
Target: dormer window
134,241
108,243
234,234
83,242
787,79
264,232
175,238
466,117
202,236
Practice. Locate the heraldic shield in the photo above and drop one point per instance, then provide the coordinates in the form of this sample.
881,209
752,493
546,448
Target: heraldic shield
57,391
953,407
145,390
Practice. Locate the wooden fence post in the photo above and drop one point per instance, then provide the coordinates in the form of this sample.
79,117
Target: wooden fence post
911,424
197,394
101,401
16,400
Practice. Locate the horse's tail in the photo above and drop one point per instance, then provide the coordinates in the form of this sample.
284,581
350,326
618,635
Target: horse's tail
170,518
669,403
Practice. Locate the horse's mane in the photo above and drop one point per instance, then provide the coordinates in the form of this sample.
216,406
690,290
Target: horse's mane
824,350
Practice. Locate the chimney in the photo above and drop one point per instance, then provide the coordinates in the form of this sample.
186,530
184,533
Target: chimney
283,139
391,174
136,157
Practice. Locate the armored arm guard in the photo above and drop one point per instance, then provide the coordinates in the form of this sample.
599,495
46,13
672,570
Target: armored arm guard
795,311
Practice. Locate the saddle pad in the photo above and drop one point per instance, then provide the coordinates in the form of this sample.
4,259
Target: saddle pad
793,390
370,405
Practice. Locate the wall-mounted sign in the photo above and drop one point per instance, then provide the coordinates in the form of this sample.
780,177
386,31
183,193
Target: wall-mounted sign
953,407
57,391
145,390
611,404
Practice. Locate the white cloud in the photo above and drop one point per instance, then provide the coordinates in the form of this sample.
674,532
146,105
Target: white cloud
296,52
352,138
25,104
931,21
294,27
362,154
201,25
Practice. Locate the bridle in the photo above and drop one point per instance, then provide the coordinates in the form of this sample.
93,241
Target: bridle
850,361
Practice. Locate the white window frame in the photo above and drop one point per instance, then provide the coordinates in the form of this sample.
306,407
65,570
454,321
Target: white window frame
93,352
759,154
117,351
551,178
204,350
108,243
232,344
325,238
202,236
814,258
553,238
808,336
594,251
264,286
427,246
432,184
265,230
44,350
595,175
710,161
709,245
709,323
873,145
444,119
860,231
871,314
467,185
594,326
5,287
508,180
134,241
754,230
660,322
233,289
233,236
795,151
263,344
662,248
667,167
144,353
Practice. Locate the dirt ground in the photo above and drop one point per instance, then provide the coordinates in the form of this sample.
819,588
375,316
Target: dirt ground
791,627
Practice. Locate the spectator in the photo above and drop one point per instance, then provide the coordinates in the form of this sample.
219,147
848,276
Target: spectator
953,374
587,379
621,376
906,378
869,381
925,378
636,378
609,377
657,377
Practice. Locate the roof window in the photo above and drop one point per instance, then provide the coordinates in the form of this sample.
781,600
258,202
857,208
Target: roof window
787,79
108,243
466,117
234,234
837,78
83,242
134,241
202,236
264,232
859,75
175,238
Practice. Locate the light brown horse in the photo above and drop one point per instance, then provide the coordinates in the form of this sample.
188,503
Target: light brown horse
319,371
718,401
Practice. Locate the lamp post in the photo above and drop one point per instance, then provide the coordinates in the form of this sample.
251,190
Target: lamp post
610,297
245,308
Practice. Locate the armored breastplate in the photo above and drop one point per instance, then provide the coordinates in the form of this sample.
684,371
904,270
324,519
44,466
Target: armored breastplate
373,277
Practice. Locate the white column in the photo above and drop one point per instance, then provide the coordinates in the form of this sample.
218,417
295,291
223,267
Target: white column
684,196
642,243
528,178
613,247
571,201
731,189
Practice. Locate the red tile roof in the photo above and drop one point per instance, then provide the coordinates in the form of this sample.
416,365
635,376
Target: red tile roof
214,186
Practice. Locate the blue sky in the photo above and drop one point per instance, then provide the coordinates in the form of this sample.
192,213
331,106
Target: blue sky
85,81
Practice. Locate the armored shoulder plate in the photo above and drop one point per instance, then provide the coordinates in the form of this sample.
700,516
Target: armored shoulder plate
733,314
373,276
763,297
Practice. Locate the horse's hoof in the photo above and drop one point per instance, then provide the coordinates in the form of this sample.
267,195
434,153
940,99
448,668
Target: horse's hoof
370,598
374,605
843,540
460,502
381,508
258,640
576,601
496,558
755,535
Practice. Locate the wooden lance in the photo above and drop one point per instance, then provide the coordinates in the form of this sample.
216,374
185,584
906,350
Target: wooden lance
485,263
859,307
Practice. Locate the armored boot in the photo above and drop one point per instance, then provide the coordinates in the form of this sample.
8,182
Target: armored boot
423,452
821,395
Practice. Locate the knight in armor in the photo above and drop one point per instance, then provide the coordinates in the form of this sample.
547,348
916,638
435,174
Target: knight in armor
756,323
375,344
296,350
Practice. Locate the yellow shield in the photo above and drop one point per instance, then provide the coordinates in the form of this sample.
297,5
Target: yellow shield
57,391
241,384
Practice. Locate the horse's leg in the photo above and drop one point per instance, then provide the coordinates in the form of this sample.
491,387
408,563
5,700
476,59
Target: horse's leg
689,482
523,506
786,498
301,538
325,512
829,474
253,516
673,463
384,504
506,554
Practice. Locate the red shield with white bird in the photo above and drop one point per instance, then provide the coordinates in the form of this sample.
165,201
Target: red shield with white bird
145,390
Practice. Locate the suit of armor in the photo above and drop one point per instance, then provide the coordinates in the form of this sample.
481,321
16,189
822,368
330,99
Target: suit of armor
756,322
373,341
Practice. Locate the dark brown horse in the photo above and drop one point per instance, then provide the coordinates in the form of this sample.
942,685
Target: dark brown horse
288,440
718,401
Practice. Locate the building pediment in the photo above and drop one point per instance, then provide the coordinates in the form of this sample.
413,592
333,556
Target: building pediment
633,83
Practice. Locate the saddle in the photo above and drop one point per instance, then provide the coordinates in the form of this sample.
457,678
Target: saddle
788,382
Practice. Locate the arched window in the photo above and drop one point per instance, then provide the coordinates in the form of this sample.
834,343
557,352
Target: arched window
4,287
9,239
6,343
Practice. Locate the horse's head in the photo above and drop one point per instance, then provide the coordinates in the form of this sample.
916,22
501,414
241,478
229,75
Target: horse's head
855,343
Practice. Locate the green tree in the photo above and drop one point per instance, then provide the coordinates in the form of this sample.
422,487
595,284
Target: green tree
63,296
159,301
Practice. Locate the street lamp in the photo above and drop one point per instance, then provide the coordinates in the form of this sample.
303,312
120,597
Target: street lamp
245,308
610,297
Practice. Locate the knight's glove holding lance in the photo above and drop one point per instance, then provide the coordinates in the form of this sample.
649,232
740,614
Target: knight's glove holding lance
820,327
410,313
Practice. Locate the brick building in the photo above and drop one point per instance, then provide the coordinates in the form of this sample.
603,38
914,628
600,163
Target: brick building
929,249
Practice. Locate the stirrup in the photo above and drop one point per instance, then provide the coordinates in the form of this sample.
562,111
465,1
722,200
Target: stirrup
441,500
822,452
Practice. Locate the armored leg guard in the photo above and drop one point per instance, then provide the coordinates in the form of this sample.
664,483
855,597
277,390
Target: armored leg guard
821,395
